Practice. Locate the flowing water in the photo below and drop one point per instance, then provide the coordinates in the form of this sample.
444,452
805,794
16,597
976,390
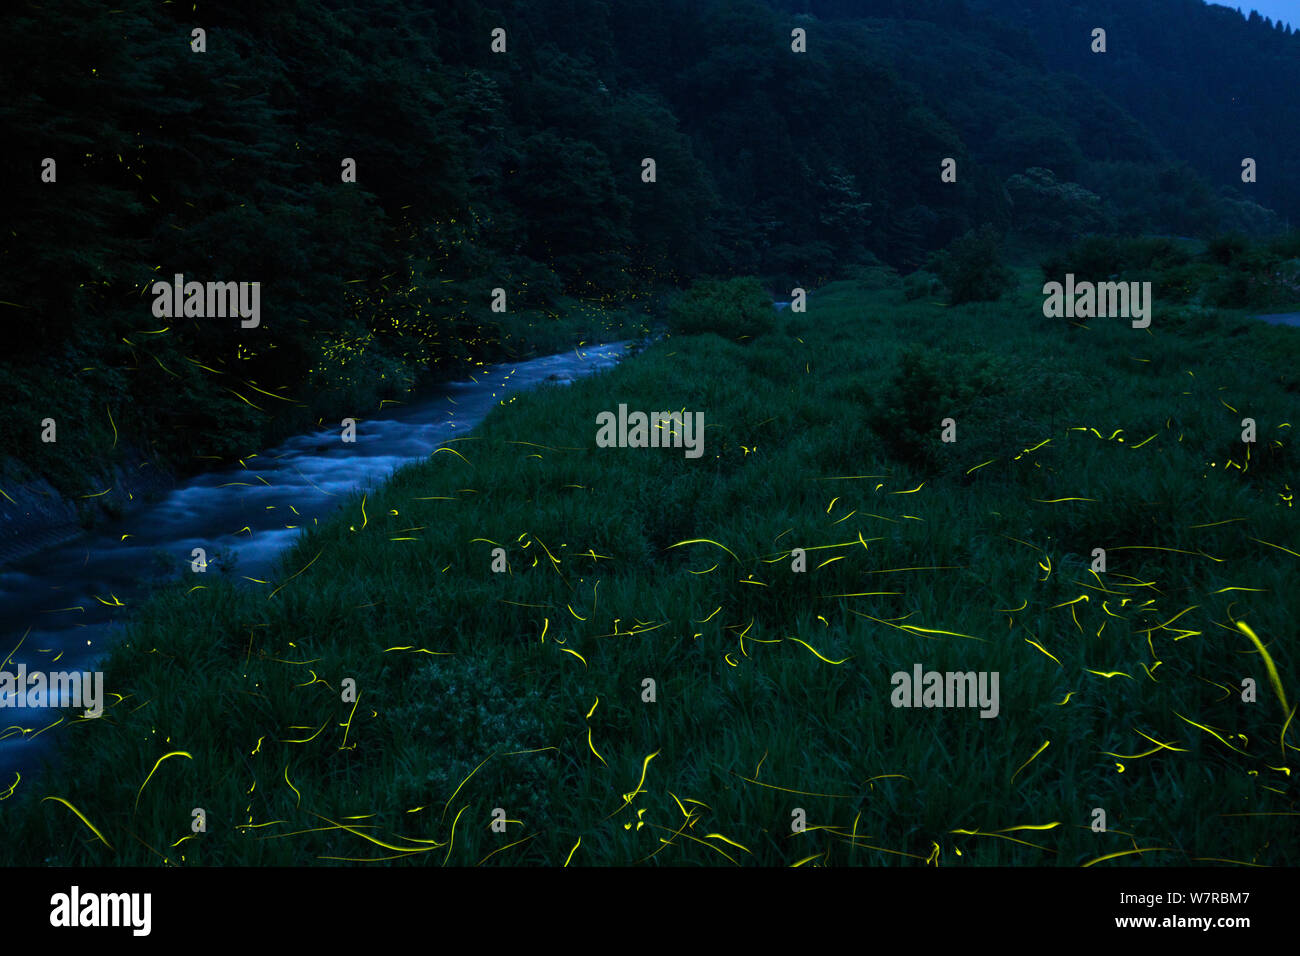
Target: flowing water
1281,318
70,601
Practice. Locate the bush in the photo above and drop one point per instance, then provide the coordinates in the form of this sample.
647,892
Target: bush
872,275
1285,246
735,309
972,268
457,710
1099,258
1185,283
1226,249
921,284
927,387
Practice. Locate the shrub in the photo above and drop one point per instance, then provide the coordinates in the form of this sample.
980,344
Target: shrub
1237,290
927,387
1184,283
972,268
735,309
453,712
1099,258
1285,246
1226,249
921,284
872,277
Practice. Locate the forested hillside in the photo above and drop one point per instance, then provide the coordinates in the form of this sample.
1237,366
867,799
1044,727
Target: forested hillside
523,170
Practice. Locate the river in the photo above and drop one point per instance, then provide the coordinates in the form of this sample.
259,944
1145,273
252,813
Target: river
70,601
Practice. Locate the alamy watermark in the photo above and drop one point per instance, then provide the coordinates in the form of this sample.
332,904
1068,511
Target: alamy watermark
208,299
651,430
923,688
77,909
1085,300
82,690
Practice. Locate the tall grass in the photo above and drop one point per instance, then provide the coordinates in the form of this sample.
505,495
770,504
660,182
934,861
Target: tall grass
523,690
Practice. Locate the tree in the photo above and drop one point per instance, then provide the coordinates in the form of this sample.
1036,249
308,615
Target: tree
1048,209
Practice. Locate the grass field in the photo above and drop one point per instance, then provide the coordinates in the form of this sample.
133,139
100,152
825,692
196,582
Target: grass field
524,690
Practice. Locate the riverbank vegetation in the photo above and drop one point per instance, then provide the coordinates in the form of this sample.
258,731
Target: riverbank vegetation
388,695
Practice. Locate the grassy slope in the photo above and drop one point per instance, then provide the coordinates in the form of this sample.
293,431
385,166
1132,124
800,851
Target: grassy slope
465,672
